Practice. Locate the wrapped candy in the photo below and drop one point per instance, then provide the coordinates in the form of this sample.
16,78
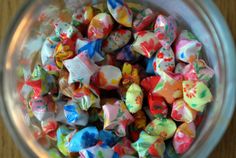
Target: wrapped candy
43,107
196,94
81,68
179,68
99,151
163,127
140,120
64,86
93,48
146,43
108,138
48,48
184,136
100,26
165,30
187,47
116,40
130,74
63,51
134,98
198,71
117,118
127,54
144,19
182,112
149,67
83,16
108,77
86,97
85,138
120,12
157,106
65,30
148,145
149,83
74,115
54,153
164,61
49,127
123,147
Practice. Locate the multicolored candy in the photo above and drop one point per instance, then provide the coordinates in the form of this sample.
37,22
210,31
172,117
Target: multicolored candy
127,54
184,136
140,120
157,106
179,68
82,16
187,47
108,138
149,83
123,147
120,12
100,26
130,75
65,30
196,94
49,127
146,43
116,40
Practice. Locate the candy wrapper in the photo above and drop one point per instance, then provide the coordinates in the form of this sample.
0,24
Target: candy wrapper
149,67
85,138
130,74
99,151
148,145
144,19
74,115
146,43
164,61
182,112
140,120
117,118
108,138
165,30
63,51
116,40
123,147
134,98
49,127
187,47
65,30
108,77
86,97
196,94
81,68
83,16
127,54
149,83
43,107
163,127
100,26
198,71
183,138
63,136
64,86
120,12
157,106
179,68
93,48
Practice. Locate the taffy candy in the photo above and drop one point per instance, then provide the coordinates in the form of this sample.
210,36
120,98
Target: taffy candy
120,12
83,16
49,127
117,118
198,71
164,61
65,30
148,145
81,68
130,74
140,120
108,138
166,30
146,43
123,147
182,112
163,127
187,47
134,98
116,40
85,138
144,19
127,54
179,68
196,94
100,26
63,51
184,137
157,105
74,115
99,151
93,48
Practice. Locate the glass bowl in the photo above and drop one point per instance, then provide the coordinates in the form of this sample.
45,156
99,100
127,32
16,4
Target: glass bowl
201,17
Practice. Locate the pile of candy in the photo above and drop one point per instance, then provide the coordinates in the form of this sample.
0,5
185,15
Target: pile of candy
117,82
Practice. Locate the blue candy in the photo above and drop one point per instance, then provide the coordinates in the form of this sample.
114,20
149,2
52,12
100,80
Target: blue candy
149,68
108,138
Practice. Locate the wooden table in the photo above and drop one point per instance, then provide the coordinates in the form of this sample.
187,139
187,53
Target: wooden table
227,146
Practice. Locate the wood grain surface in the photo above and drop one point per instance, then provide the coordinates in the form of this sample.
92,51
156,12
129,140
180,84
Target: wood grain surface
225,149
